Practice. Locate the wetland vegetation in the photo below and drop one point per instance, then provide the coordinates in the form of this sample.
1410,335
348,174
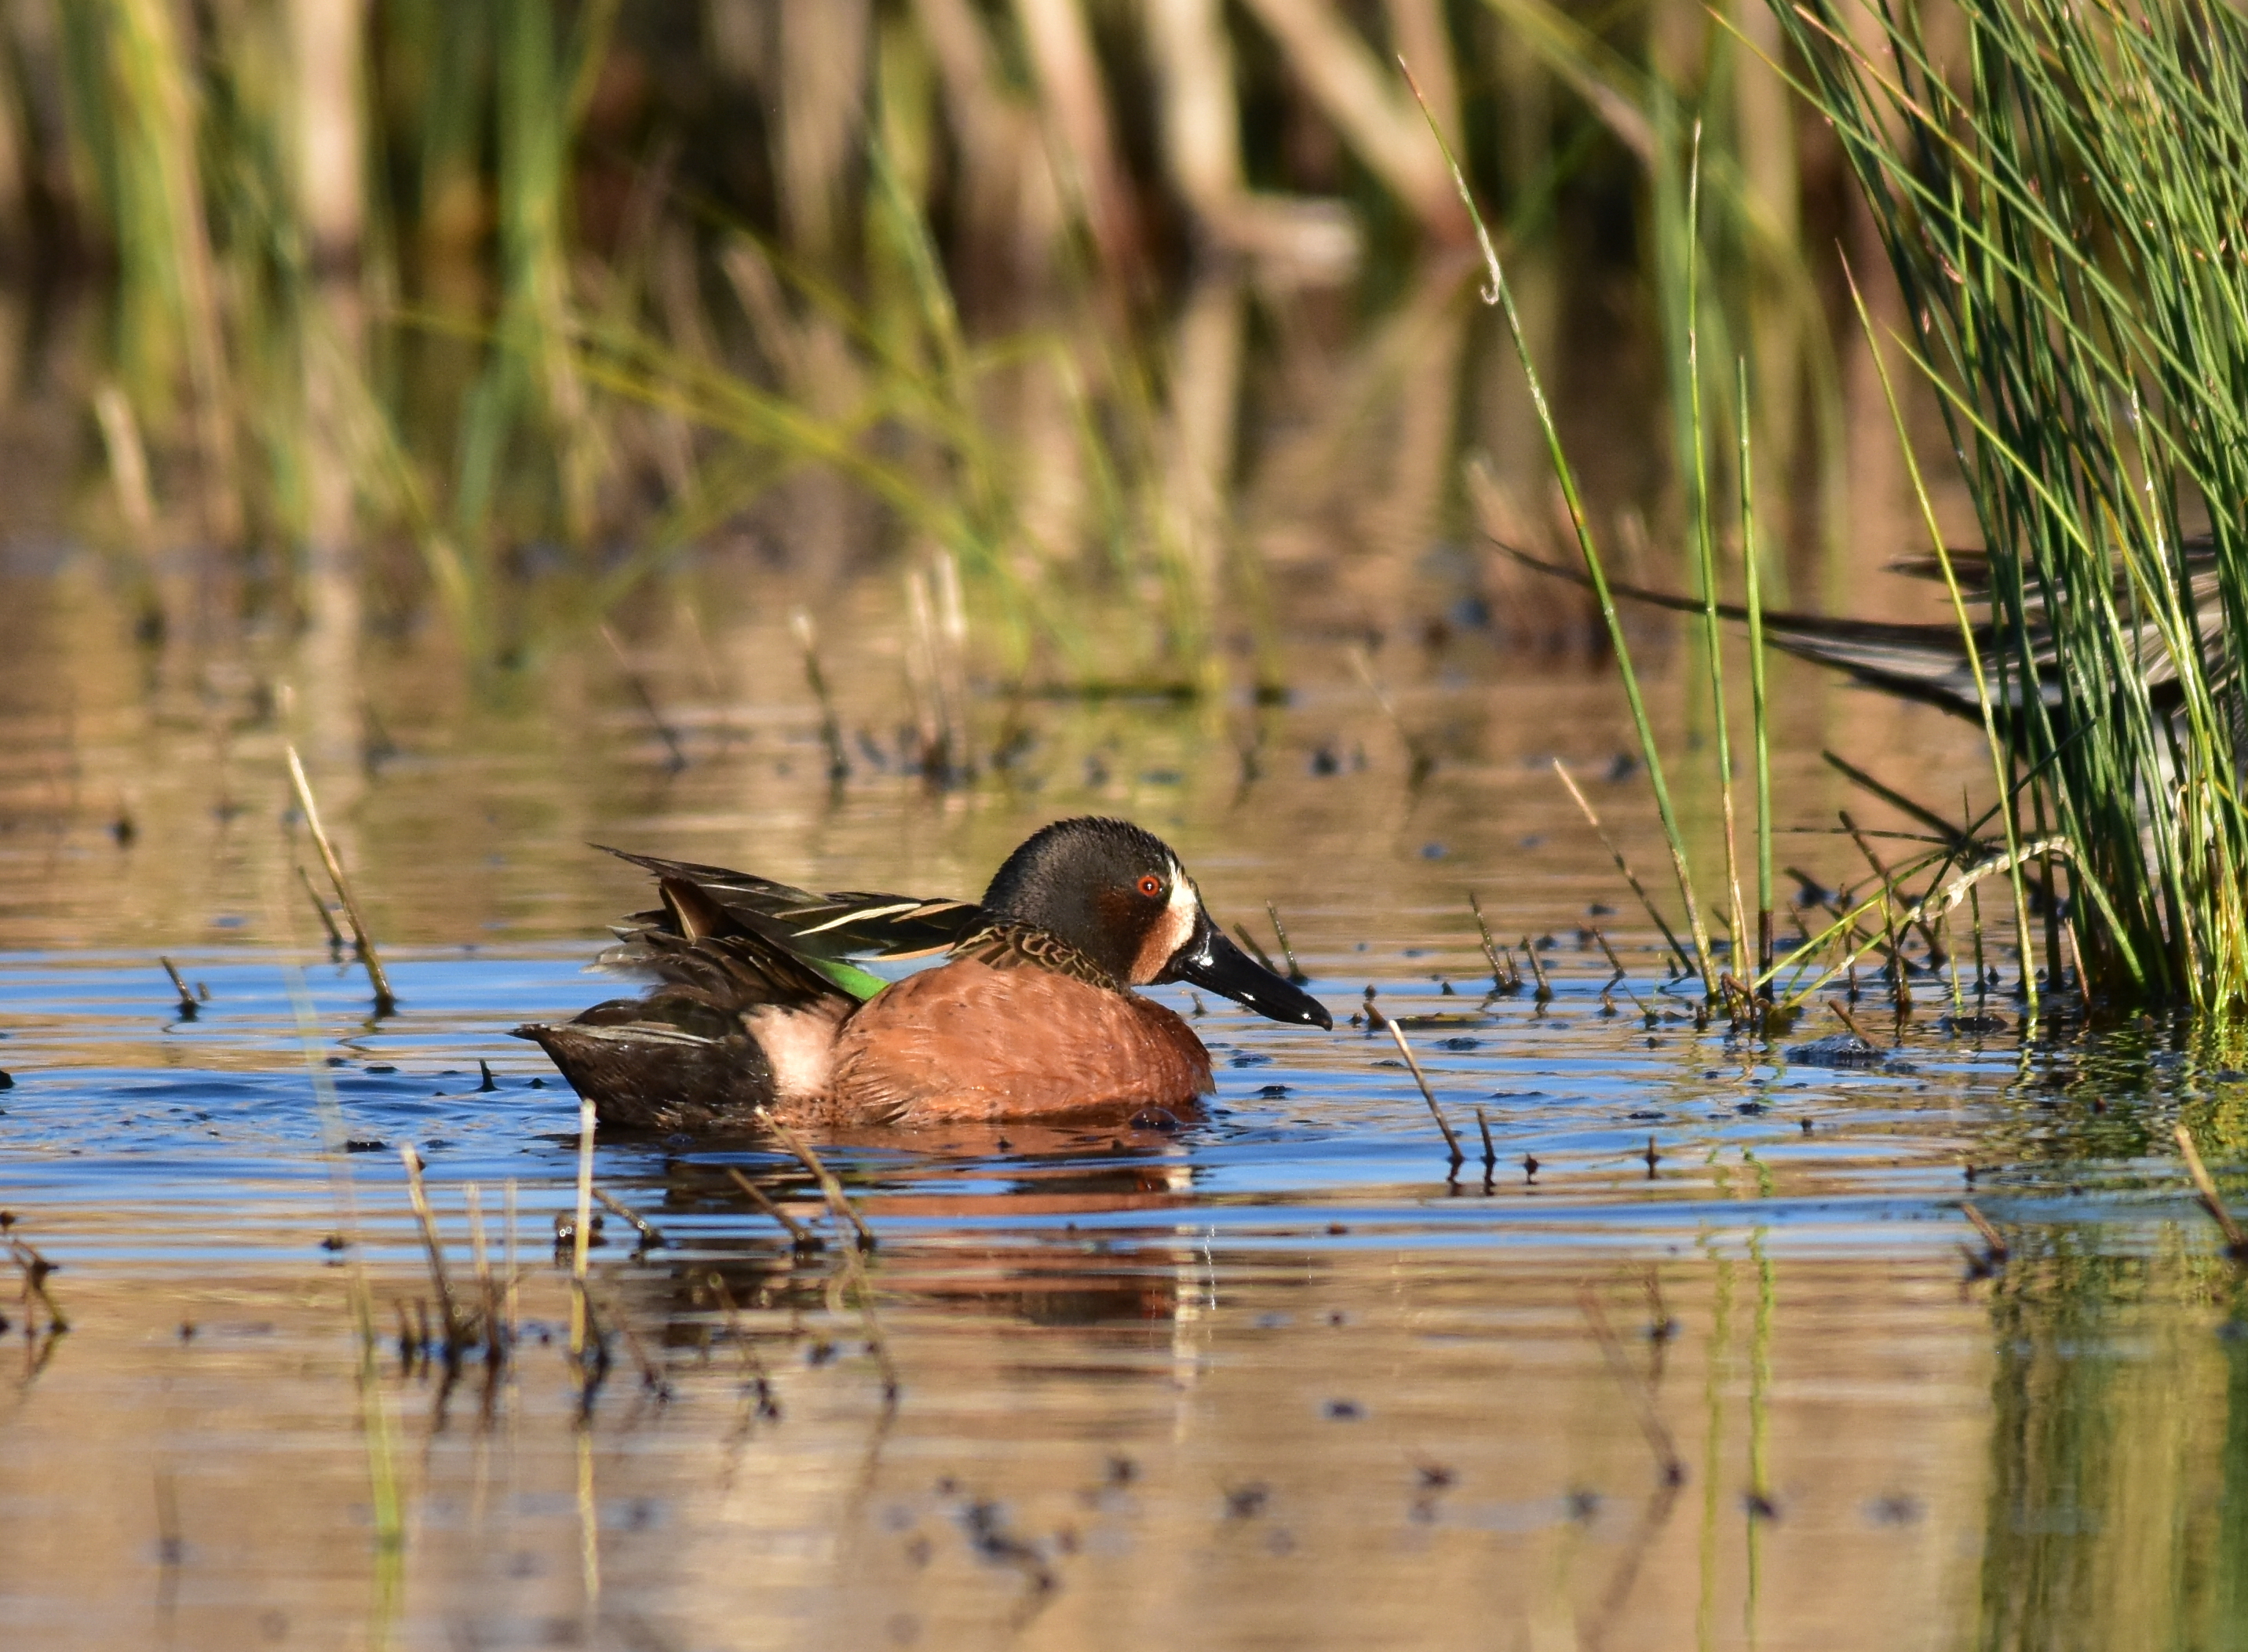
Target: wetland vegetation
833,437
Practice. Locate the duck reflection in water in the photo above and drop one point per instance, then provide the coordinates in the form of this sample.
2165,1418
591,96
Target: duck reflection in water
1037,1268
759,1013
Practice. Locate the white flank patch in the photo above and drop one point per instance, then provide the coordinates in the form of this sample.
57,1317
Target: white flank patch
801,1048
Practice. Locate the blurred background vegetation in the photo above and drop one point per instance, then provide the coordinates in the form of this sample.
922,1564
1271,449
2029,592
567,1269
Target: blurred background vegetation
1136,336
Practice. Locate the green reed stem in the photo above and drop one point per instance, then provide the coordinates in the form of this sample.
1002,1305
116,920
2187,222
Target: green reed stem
1705,542
1500,293
1751,556
1991,740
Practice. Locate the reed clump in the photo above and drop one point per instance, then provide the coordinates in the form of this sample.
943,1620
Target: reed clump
2059,194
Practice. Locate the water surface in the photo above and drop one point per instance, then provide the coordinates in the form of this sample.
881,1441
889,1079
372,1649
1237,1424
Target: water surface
1274,1381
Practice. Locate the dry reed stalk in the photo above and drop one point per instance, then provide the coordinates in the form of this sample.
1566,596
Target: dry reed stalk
1658,1435
1850,1021
457,1336
1451,1141
386,1002
1250,942
1685,960
830,1188
1619,979
128,463
1295,971
1544,993
1501,978
2236,1241
800,1236
651,1236
328,918
187,998
1992,1239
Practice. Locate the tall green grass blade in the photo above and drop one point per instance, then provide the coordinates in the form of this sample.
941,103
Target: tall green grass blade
1760,710
1498,292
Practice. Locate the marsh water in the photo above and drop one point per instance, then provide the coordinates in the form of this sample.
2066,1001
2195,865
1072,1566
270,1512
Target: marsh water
1275,1380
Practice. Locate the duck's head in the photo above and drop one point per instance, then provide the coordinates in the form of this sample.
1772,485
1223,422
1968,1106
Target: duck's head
1119,896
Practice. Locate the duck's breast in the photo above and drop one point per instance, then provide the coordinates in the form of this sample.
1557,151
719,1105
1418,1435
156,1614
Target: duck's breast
970,1040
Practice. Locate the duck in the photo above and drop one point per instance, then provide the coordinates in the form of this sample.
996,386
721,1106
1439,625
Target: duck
761,1013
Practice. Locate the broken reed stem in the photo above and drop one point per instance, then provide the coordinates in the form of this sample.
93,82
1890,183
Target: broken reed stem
187,998
1659,1439
1620,978
1490,1152
328,918
1498,975
1451,1141
455,1332
581,1234
1992,1240
1992,1243
1544,992
801,1237
1850,1022
1685,960
639,686
2236,1242
831,728
829,1187
1295,971
651,1235
385,1001
1240,933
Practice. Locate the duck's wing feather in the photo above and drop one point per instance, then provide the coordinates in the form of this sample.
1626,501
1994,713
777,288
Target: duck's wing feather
849,923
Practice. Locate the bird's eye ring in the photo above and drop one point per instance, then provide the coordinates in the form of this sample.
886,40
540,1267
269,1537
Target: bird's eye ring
1151,885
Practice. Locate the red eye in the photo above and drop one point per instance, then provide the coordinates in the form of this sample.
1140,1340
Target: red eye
1151,885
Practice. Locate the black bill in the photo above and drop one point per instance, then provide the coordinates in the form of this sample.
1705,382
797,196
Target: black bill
1214,962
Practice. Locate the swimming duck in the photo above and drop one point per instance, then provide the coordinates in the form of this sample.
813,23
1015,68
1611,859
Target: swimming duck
759,1010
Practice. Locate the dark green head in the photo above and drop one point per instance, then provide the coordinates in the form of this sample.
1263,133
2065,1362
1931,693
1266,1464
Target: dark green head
1119,895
